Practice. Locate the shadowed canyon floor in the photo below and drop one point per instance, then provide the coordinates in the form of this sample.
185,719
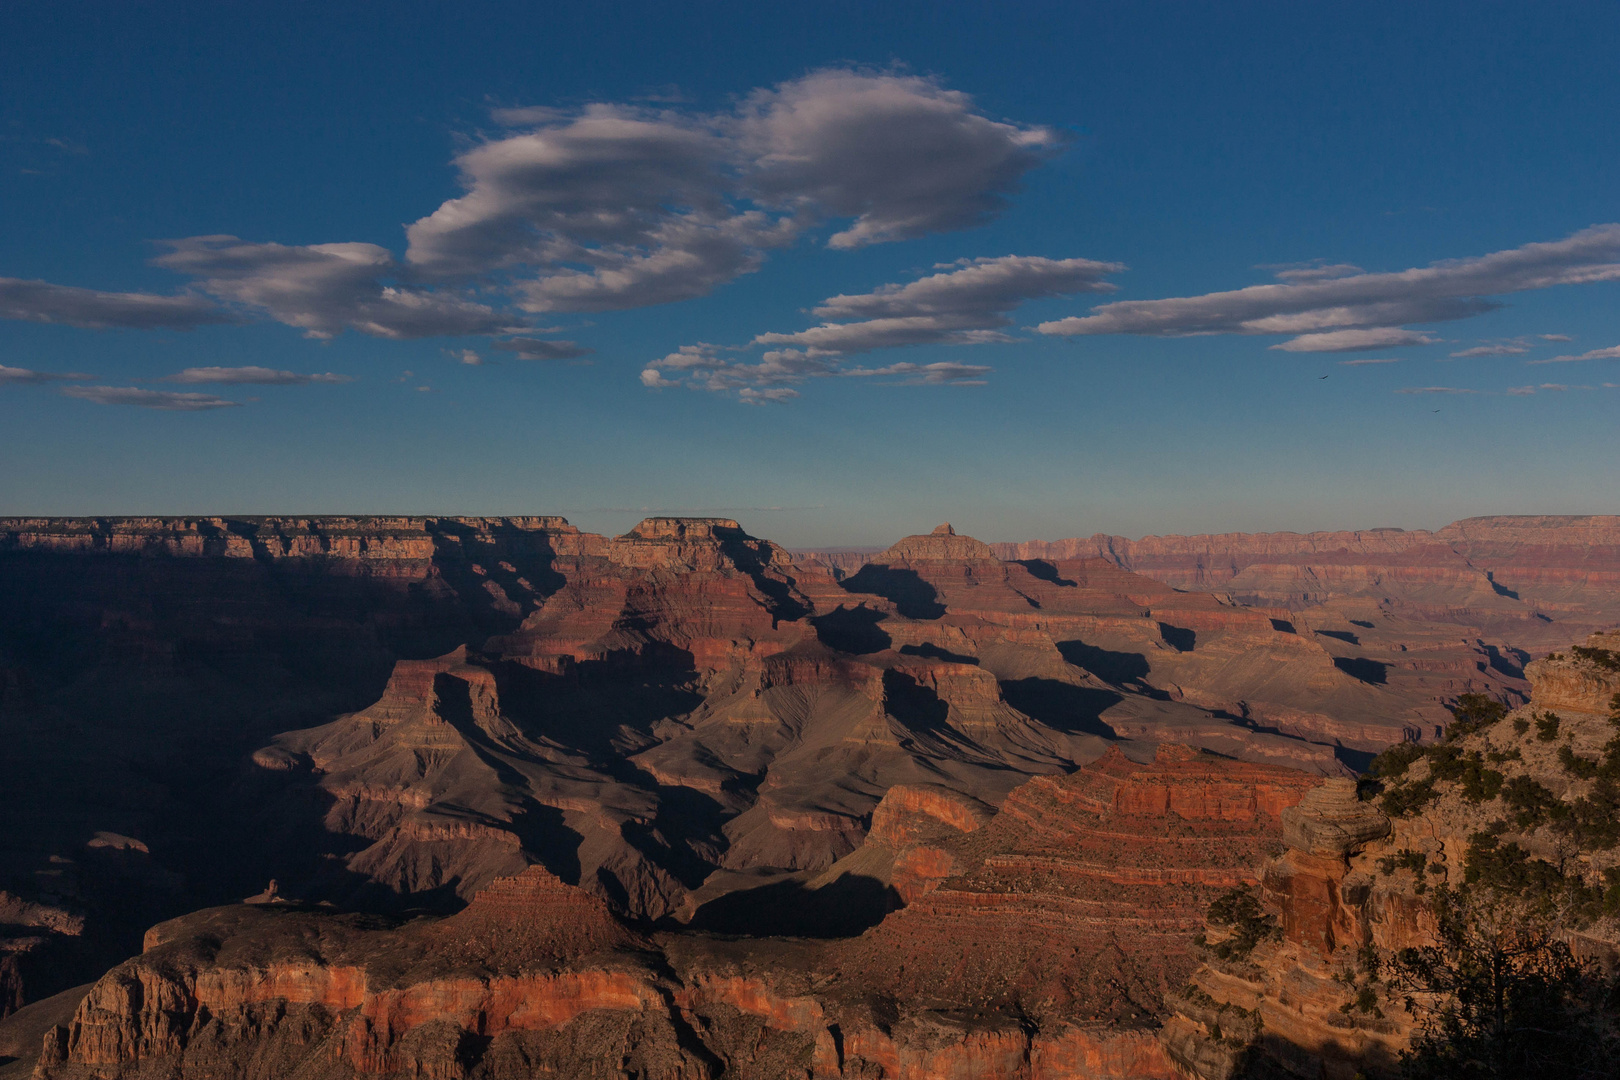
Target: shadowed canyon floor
681,733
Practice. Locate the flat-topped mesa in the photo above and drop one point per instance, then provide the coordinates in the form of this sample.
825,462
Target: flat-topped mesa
692,544
1584,678
941,544
394,545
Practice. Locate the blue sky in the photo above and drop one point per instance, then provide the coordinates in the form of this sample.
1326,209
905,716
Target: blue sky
923,210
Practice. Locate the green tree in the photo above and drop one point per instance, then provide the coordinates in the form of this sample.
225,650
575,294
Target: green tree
1499,996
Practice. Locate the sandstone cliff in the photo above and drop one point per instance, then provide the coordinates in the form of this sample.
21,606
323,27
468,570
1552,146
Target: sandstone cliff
1522,804
1035,945
389,713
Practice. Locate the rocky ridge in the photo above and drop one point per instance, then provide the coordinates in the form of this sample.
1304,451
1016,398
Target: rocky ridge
388,713
1012,961
1521,800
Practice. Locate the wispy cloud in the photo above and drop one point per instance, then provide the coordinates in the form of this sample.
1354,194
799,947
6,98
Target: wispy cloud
172,401
1435,390
1555,337
528,348
1382,337
610,206
324,289
257,376
967,303
1611,353
1453,289
1505,348
620,206
1373,360
16,376
40,301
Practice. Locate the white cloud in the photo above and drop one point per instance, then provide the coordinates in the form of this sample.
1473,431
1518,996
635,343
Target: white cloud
16,376
967,303
1377,360
1453,289
619,206
250,375
527,348
900,155
1506,348
1555,337
149,399
611,206
324,289
1611,353
1521,391
1314,271
1382,337
40,301
938,374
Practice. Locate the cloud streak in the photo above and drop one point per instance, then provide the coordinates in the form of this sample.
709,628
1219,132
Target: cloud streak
16,376
527,348
171,401
968,302
68,305
1612,353
254,376
1355,340
1443,291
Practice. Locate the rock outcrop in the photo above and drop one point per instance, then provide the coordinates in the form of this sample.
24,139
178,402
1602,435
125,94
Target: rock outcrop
1358,879
391,712
1038,952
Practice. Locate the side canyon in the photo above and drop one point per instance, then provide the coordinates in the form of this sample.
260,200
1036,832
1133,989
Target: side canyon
511,799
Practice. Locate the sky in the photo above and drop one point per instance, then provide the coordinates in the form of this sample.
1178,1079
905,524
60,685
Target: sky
841,271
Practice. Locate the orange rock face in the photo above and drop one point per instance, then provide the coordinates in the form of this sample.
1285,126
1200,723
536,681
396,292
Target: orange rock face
1035,960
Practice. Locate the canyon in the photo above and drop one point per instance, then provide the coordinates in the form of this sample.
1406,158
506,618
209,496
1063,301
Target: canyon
684,803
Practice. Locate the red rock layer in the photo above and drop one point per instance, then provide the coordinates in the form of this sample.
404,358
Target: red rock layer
1080,898
1043,963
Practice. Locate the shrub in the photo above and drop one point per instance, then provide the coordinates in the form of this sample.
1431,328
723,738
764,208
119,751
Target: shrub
1238,910
1603,659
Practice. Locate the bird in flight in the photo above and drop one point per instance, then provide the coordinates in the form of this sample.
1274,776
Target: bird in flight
1324,376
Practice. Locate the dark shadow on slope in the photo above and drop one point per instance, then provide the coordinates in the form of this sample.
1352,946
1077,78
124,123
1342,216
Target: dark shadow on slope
1499,589
1509,661
1340,635
685,838
934,652
1073,710
917,707
596,705
911,595
1283,626
1361,623
1109,666
1178,638
845,907
1373,672
852,630
1359,760
1045,571
784,604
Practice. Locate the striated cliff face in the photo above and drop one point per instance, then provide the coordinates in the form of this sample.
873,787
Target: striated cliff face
1038,952
388,713
1520,805
1504,573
